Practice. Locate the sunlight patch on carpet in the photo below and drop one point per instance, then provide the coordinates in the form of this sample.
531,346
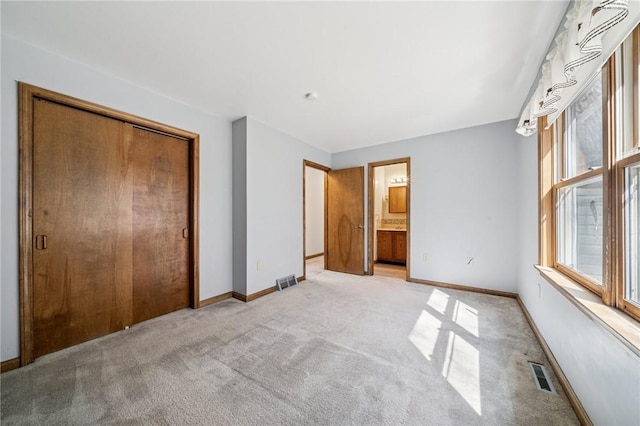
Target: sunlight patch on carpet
425,334
461,368
466,317
438,301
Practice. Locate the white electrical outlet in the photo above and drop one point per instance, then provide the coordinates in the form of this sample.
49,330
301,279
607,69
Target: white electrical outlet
425,258
259,265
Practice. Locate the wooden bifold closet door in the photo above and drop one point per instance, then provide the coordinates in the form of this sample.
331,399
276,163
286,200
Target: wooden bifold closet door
110,219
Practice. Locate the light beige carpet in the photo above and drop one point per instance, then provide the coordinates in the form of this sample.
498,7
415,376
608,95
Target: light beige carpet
333,350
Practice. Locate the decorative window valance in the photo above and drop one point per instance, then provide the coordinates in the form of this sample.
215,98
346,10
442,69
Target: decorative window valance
593,29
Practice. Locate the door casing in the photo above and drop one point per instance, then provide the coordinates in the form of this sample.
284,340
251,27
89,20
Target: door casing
371,208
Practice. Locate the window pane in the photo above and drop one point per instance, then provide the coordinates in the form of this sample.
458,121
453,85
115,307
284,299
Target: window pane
583,133
627,115
579,223
632,221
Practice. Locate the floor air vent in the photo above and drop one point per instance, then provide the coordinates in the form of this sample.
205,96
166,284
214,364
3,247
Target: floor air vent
287,281
540,376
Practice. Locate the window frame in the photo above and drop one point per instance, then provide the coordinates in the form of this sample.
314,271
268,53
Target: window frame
622,302
559,183
551,168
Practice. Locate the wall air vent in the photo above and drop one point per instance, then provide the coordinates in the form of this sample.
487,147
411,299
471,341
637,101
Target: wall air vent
540,376
286,282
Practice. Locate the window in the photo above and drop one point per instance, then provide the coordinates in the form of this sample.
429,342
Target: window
590,184
579,187
627,170
579,229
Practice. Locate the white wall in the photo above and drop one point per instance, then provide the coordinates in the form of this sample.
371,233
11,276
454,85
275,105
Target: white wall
603,372
463,192
314,210
274,203
22,62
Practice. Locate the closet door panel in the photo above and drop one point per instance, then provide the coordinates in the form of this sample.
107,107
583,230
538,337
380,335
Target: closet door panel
160,224
82,227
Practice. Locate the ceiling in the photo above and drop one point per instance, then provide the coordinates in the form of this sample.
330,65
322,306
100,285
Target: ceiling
383,71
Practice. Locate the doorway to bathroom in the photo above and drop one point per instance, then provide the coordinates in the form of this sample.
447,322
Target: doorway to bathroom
389,218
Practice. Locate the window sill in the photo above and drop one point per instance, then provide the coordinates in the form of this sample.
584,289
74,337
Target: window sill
621,326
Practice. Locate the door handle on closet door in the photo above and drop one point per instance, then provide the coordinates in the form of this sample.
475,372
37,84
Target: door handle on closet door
41,242
185,232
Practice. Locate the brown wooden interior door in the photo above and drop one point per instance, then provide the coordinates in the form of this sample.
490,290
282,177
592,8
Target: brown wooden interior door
160,224
345,220
82,226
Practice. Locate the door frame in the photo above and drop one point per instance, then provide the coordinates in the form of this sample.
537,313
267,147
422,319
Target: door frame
26,94
371,207
325,169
